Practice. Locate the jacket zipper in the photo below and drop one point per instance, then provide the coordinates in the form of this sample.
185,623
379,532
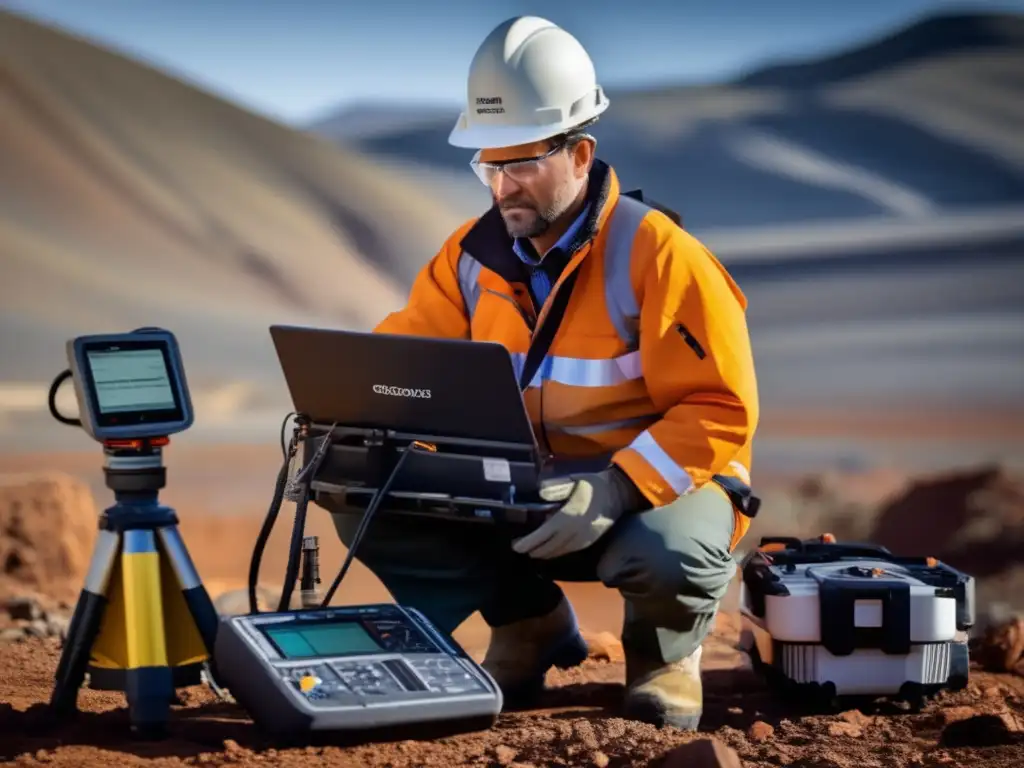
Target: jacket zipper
691,341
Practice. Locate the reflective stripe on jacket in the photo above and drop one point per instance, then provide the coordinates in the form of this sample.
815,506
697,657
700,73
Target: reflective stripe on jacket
652,362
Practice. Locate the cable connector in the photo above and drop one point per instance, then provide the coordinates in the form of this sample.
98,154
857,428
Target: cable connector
310,572
293,490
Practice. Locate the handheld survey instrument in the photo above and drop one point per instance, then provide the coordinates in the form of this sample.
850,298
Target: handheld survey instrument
828,620
356,672
144,623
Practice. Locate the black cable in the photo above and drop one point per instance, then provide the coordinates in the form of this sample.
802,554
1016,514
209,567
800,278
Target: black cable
291,573
303,478
364,522
284,424
52,400
280,488
264,534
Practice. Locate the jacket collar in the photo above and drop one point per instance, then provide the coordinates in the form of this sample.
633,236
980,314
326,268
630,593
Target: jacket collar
489,242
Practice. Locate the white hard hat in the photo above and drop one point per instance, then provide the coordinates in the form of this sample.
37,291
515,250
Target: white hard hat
529,80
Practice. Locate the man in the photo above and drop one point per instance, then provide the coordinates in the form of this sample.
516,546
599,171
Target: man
650,378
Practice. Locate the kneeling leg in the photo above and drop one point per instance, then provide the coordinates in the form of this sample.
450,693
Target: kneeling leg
673,567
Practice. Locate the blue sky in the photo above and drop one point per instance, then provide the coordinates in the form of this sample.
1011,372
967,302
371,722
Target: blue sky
295,59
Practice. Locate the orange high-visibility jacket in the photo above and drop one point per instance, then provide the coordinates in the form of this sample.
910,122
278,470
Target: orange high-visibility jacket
652,361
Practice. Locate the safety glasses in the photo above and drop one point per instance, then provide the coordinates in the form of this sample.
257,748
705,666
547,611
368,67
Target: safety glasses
518,170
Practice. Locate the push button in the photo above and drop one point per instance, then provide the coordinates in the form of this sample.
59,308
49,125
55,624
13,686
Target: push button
309,683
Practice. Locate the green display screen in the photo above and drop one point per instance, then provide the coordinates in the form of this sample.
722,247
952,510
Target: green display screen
334,639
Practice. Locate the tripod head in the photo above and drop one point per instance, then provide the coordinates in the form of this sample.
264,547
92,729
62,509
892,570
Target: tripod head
132,394
135,467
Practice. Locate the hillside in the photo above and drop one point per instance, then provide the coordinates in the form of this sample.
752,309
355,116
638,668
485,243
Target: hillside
933,36
926,120
130,198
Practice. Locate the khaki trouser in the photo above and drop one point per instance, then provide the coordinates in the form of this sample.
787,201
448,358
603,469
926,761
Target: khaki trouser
672,566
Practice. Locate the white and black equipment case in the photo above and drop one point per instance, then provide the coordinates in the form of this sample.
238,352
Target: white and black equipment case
832,620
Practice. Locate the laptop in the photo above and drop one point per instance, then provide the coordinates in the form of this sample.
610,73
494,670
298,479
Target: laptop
461,396
409,384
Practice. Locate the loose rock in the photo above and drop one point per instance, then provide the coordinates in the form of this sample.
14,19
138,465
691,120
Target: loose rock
956,714
843,728
24,608
236,602
604,646
504,754
760,731
1001,649
978,731
856,717
702,753
26,617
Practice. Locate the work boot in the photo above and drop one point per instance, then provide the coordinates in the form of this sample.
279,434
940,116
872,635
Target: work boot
521,653
665,694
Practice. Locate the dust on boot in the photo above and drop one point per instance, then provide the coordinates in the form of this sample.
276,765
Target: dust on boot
665,694
521,653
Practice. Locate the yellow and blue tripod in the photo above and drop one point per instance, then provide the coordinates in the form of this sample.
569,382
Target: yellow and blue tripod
144,623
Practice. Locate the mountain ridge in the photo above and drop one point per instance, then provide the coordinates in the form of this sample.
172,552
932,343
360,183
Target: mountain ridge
929,35
910,126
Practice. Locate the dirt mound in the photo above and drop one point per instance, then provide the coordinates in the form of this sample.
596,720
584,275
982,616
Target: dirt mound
578,725
973,520
1001,649
47,531
843,503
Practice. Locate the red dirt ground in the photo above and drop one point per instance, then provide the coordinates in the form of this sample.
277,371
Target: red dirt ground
579,726
45,529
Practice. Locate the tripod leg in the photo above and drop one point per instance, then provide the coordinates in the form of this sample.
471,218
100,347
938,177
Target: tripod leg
196,597
85,624
149,682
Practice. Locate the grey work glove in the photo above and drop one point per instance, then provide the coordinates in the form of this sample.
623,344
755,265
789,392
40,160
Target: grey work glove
593,502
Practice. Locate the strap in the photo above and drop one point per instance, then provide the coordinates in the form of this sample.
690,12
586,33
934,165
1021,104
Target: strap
545,335
638,195
740,494
469,281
